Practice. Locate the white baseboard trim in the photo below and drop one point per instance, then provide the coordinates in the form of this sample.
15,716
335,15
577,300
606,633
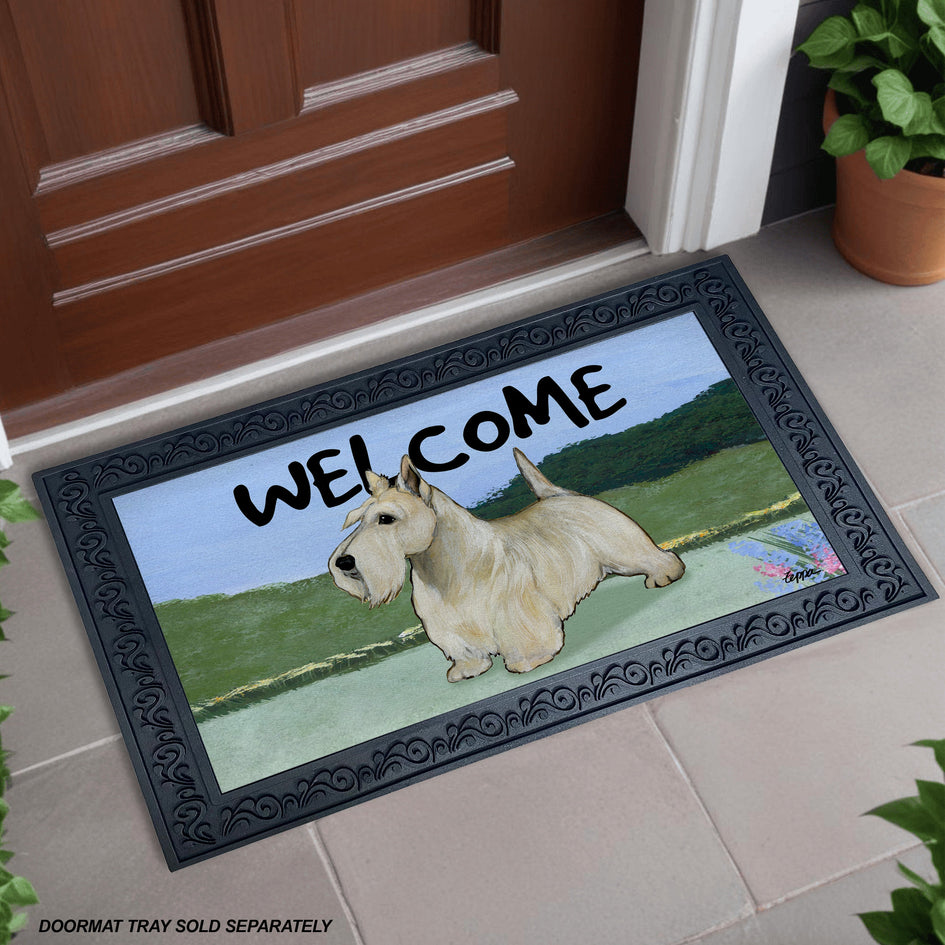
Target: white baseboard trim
322,351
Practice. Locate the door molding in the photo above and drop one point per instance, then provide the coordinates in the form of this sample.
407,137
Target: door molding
711,81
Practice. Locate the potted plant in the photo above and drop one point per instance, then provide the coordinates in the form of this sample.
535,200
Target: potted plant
884,120
15,891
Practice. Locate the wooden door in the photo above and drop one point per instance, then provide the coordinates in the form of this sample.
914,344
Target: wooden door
174,172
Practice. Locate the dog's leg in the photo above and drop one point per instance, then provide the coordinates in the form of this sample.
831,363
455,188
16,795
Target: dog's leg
531,635
467,647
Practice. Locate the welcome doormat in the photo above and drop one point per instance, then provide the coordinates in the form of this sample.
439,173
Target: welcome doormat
314,601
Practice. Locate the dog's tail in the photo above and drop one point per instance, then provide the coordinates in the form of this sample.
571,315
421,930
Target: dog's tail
539,484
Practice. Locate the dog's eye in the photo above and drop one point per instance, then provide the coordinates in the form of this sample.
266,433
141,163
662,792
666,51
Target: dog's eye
385,519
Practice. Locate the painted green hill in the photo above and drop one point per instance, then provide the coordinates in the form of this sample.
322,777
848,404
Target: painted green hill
716,419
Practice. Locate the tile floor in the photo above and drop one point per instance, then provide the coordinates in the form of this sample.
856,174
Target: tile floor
726,813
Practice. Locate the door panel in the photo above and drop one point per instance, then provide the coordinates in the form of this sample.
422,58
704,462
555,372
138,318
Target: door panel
574,64
104,72
341,38
191,169
245,60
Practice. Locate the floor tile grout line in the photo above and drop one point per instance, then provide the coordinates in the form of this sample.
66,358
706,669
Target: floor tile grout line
798,893
843,874
712,930
677,761
911,503
68,754
919,551
335,880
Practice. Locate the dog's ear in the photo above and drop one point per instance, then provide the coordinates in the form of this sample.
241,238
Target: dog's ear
412,481
376,483
352,517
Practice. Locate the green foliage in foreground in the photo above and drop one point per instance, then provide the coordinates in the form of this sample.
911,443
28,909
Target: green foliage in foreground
918,911
220,642
714,420
15,891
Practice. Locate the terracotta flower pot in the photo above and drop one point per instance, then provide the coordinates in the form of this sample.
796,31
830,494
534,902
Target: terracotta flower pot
893,230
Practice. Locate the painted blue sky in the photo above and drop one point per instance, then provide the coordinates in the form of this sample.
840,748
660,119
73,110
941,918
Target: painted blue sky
189,537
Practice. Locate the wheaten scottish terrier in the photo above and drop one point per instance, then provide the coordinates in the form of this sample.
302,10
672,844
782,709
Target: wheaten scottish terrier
483,589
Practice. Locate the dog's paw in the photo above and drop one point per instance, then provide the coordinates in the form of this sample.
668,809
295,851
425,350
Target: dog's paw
527,664
467,669
672,570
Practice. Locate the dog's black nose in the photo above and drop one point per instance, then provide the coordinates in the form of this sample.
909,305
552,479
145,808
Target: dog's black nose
344,563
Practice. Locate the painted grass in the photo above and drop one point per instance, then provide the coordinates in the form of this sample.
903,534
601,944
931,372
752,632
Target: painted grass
707,494
230,650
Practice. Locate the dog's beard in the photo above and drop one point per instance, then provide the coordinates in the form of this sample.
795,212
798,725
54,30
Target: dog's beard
380,590
383,587
376,600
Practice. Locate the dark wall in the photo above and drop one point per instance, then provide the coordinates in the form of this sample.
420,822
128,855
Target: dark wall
802,176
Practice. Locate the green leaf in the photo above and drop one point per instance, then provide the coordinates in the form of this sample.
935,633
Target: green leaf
931,12
894,93
867,20
930,892
845,84
909,814
902,43
912,912
938,859
19,892
831,44
18,921
861,62
888,155
13,507
938,919
890,9
936,744
886,929
923,117
938,115
5,712
934,39
847,134
932,796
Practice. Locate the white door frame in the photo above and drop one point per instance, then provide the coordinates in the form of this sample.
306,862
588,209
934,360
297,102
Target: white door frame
6,457
709,96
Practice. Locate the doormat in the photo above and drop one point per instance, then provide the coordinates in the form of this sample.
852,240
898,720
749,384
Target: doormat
317,600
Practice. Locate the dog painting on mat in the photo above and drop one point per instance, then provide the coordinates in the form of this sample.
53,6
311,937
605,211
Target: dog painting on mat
491,588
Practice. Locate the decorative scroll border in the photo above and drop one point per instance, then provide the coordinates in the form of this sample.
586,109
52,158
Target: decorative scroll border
194,821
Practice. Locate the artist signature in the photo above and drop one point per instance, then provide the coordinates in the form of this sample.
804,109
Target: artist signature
797,576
